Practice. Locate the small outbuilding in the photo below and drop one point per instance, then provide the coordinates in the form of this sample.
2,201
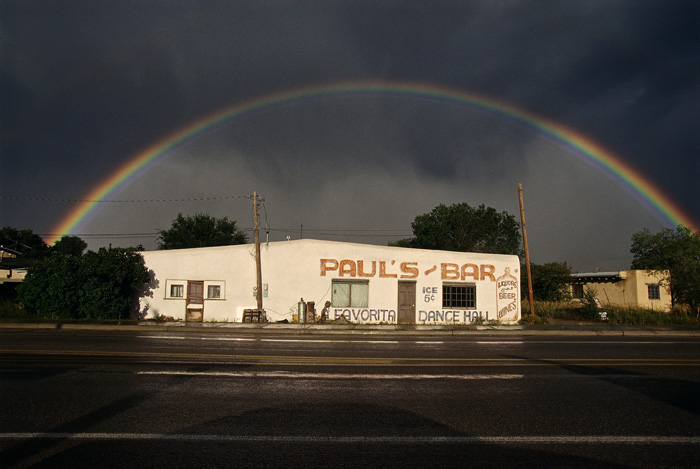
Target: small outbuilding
636,288
367,284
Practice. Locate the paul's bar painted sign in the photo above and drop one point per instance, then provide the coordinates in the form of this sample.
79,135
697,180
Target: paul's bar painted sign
499,295
406,270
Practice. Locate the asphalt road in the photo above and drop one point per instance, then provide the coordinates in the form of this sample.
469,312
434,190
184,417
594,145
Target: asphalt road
146,398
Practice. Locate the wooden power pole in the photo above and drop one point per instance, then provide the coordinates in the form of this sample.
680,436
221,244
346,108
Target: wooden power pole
258,269
527,251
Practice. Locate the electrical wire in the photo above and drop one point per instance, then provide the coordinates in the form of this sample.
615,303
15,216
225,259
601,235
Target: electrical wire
192,199
365,233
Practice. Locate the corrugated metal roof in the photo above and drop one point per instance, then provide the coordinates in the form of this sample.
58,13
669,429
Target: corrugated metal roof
596,277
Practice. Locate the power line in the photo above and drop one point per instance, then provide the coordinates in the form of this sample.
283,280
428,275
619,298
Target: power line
323,230
192,199
348,233
104,235
392,233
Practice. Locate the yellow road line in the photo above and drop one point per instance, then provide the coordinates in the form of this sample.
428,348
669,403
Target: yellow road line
354,361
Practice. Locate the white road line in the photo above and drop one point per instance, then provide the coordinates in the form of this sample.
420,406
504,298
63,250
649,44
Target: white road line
226,339
331,341
421,342
293,375
501,440
577,342
169,337
500,342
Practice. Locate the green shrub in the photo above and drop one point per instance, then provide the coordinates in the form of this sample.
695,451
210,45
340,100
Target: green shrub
588,311
97,285
10,310
589,304
532,320
648,317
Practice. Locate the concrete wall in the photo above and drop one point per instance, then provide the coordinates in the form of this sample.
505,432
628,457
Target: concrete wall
12,275
306,269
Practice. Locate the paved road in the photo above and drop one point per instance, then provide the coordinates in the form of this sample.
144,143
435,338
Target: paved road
182,399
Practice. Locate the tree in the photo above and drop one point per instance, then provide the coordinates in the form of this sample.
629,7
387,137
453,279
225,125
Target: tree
25,241
71,245
113,277
675,256
51,288
461,227
200,230
98,285
550,282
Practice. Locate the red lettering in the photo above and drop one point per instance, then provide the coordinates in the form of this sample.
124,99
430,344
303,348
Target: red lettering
487,270
347,267
408,270
328,265
382,271
449,271
470,270
361,272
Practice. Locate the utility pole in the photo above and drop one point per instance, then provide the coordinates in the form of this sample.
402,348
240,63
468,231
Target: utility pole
527,251
258,269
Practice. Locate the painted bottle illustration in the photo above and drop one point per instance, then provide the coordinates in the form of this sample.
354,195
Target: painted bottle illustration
507,301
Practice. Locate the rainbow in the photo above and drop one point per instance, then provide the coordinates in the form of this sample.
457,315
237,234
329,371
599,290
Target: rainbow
587,149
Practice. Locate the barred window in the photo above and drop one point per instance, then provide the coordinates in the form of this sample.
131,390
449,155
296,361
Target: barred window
654,291
459,296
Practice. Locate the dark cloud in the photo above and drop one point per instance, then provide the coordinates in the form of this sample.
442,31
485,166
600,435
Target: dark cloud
86,85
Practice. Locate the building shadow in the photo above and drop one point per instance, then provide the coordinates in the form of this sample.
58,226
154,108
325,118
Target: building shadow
680,393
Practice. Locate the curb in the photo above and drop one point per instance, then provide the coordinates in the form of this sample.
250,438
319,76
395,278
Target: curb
355,329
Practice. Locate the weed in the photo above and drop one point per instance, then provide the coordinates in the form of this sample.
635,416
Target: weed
11,310
479,321
589,311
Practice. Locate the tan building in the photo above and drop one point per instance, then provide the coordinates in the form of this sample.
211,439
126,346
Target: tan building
10,274
637,288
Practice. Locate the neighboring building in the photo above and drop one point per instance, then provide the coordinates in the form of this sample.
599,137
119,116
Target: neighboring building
7,253
12,275
12,272
638,288
364,283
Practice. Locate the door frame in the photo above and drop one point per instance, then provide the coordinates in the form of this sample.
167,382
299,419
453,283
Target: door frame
194,312
401,319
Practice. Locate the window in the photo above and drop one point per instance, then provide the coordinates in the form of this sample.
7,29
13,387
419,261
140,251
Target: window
214,291
177,291
350,294
459,296
654,291
577,290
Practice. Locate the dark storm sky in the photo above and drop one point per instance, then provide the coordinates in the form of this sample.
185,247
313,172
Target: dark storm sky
86,85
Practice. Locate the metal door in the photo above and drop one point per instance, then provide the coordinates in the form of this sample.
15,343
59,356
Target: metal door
407,303
195,302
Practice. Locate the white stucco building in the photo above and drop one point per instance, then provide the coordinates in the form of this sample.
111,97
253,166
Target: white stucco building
364,283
